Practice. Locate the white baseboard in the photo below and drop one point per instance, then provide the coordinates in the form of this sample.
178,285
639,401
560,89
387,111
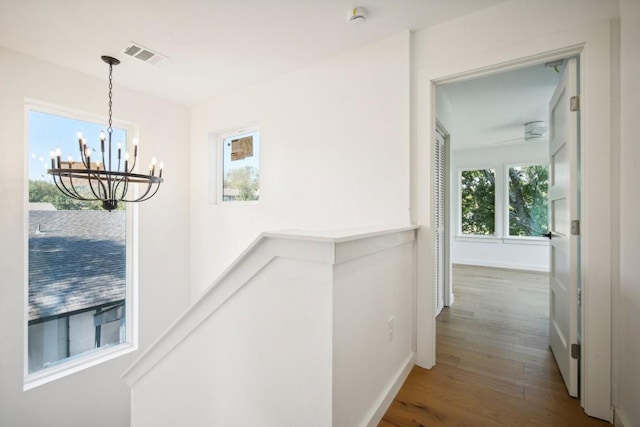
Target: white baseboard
391,391
511,266
620,419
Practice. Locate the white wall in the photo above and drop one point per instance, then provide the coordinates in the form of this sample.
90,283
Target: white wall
367,292
508,34
499,252
296,330
627,408
263,358
334,153
163,240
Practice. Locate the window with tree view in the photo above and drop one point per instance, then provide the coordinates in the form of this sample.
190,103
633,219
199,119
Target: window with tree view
528,211
478,200
241,167
77,279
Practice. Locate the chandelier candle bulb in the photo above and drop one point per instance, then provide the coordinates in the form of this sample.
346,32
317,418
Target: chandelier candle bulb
53,159
58,153
161,167
79,134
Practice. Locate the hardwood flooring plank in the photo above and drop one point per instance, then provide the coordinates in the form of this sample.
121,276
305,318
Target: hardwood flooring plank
494,366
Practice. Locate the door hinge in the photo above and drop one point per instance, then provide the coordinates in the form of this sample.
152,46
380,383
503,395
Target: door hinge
575,227
579,297
574,103
575,351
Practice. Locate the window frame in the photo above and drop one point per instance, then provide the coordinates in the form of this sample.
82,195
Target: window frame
219,181
81,362
496,229
501,233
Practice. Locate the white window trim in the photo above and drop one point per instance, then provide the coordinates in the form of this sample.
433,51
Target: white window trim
219,182
82,361
497,214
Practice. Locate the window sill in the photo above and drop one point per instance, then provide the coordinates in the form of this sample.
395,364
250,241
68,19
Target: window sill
77,364
478,239
534,241
239,202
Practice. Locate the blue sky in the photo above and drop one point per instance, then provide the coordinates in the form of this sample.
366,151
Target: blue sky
48,132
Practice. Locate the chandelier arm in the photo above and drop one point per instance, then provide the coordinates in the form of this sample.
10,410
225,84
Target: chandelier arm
101,186
140,198
135,158
146,195
104,163
118,182
143,196
63,189
73,192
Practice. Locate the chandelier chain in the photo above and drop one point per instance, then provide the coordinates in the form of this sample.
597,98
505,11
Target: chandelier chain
110,128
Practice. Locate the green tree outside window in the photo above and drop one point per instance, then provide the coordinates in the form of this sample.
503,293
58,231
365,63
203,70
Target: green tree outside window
478,196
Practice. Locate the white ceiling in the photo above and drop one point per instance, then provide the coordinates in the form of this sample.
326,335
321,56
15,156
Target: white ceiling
490,111
214,46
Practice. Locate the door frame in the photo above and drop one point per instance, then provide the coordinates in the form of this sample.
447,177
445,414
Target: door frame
592,44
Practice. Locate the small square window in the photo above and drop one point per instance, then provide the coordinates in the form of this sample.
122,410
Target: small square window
241,167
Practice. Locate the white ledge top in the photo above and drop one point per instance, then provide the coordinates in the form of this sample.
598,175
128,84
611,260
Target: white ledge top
337,236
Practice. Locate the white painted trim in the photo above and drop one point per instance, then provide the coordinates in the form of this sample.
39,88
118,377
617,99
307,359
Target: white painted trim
80,362
510,266
592,42
390,392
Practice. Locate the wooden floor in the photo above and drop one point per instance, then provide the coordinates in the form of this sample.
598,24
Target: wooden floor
493,367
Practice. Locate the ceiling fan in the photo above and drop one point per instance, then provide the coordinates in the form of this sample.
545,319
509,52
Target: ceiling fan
533,131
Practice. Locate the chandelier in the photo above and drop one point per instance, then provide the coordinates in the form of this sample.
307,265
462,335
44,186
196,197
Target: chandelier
106,179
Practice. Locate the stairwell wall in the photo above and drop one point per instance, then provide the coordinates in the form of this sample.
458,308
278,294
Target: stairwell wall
334,153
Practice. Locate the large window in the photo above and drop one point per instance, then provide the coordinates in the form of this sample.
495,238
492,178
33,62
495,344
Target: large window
79,277
504,201
528,210
241,166
478,201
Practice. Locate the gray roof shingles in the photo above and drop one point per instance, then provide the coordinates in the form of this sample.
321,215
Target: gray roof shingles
76,261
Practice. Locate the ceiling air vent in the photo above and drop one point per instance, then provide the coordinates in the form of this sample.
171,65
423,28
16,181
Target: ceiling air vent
144,54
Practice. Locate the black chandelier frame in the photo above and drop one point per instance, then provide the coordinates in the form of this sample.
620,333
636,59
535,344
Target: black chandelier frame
89,182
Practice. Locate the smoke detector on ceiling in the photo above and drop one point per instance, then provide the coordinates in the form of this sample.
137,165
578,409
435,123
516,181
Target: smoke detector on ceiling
143,54
358,15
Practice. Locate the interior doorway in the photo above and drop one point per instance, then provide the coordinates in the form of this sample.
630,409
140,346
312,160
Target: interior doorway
497,180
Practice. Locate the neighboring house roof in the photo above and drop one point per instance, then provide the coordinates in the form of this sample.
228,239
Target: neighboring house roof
76,261
41,206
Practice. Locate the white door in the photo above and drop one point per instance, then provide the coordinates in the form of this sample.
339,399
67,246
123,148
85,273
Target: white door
439,225
563,209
